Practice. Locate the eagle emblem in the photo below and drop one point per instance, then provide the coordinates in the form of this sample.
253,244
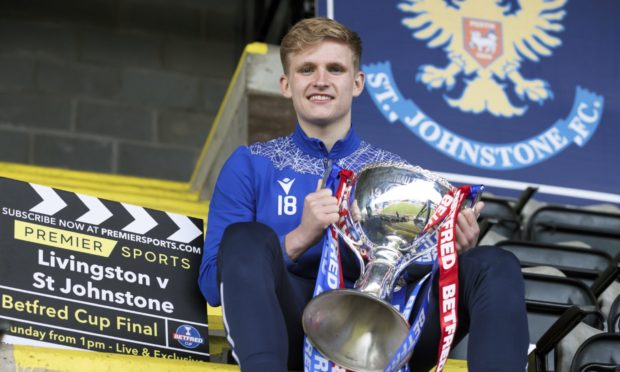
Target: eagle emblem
486,41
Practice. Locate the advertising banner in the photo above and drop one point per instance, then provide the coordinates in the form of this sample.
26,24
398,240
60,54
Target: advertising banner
81,272
506,93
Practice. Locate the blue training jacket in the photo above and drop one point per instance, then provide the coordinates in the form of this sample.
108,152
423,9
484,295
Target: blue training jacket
267,182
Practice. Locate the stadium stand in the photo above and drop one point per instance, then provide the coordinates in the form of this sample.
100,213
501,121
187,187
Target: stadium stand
581,244
553,305
576,242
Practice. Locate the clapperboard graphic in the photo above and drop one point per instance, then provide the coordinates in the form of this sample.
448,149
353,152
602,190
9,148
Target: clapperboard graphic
82,272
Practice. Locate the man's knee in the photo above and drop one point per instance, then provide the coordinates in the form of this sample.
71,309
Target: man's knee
492,258
493,274
245,238
492,269
244,246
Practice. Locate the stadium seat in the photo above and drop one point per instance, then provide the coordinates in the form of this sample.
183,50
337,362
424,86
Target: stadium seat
557,224
605,278
575,262
613,322
598,353
504,214
546,338
557,290
501,216
547,299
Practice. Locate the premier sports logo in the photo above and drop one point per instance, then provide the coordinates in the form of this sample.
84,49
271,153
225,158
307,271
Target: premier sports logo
486,43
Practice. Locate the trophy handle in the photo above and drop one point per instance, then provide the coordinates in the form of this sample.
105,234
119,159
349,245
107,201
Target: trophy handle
354,245
351,235
429,239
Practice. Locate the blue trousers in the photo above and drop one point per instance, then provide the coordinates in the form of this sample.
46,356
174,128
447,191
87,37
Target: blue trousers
263,303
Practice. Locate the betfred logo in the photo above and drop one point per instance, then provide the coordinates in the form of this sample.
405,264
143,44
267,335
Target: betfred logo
482,40
188,336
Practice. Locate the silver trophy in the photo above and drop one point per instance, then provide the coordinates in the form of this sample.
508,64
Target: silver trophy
358,328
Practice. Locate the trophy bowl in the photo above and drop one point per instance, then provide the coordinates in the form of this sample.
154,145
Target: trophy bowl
358,328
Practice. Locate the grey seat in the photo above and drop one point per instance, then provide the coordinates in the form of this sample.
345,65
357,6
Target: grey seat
547,299
575,262
557,290
504,214
599,353
557,224
543,357
500,213
613,320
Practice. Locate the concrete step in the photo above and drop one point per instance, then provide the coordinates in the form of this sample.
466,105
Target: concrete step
31,358
35,358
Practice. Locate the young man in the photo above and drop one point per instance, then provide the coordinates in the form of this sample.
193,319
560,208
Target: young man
269,213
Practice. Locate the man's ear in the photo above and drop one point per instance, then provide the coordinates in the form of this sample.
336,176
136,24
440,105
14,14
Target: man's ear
358,83
285,88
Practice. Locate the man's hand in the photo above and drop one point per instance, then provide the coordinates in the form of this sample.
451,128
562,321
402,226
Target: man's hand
320,210
467,229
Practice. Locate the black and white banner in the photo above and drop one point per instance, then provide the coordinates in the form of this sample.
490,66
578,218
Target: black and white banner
82,272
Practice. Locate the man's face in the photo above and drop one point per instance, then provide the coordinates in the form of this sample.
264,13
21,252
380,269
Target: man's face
322,82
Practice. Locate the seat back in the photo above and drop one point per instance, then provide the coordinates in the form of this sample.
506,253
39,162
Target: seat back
549,324
549,297
500,214
613,321
557,290
575,262
600,352
556,224
504,214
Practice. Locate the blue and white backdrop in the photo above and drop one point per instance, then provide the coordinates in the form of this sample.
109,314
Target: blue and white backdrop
506,93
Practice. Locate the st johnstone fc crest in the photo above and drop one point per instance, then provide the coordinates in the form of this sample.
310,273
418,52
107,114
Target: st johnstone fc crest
485,44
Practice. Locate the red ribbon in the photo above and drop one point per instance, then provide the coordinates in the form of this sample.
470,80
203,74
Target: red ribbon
446,215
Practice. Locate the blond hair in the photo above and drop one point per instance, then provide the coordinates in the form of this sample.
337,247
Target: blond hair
311,31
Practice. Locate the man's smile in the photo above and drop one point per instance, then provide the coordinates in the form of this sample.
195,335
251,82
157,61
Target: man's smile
320,98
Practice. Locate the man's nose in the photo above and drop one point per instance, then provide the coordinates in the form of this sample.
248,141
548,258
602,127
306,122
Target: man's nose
321,78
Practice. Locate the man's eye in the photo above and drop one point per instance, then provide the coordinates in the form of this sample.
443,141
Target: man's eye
336,69
306,70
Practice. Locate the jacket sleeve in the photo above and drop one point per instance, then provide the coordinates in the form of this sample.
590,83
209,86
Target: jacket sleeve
233,201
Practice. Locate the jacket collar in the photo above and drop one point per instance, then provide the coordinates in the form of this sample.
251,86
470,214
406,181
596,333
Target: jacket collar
315,147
